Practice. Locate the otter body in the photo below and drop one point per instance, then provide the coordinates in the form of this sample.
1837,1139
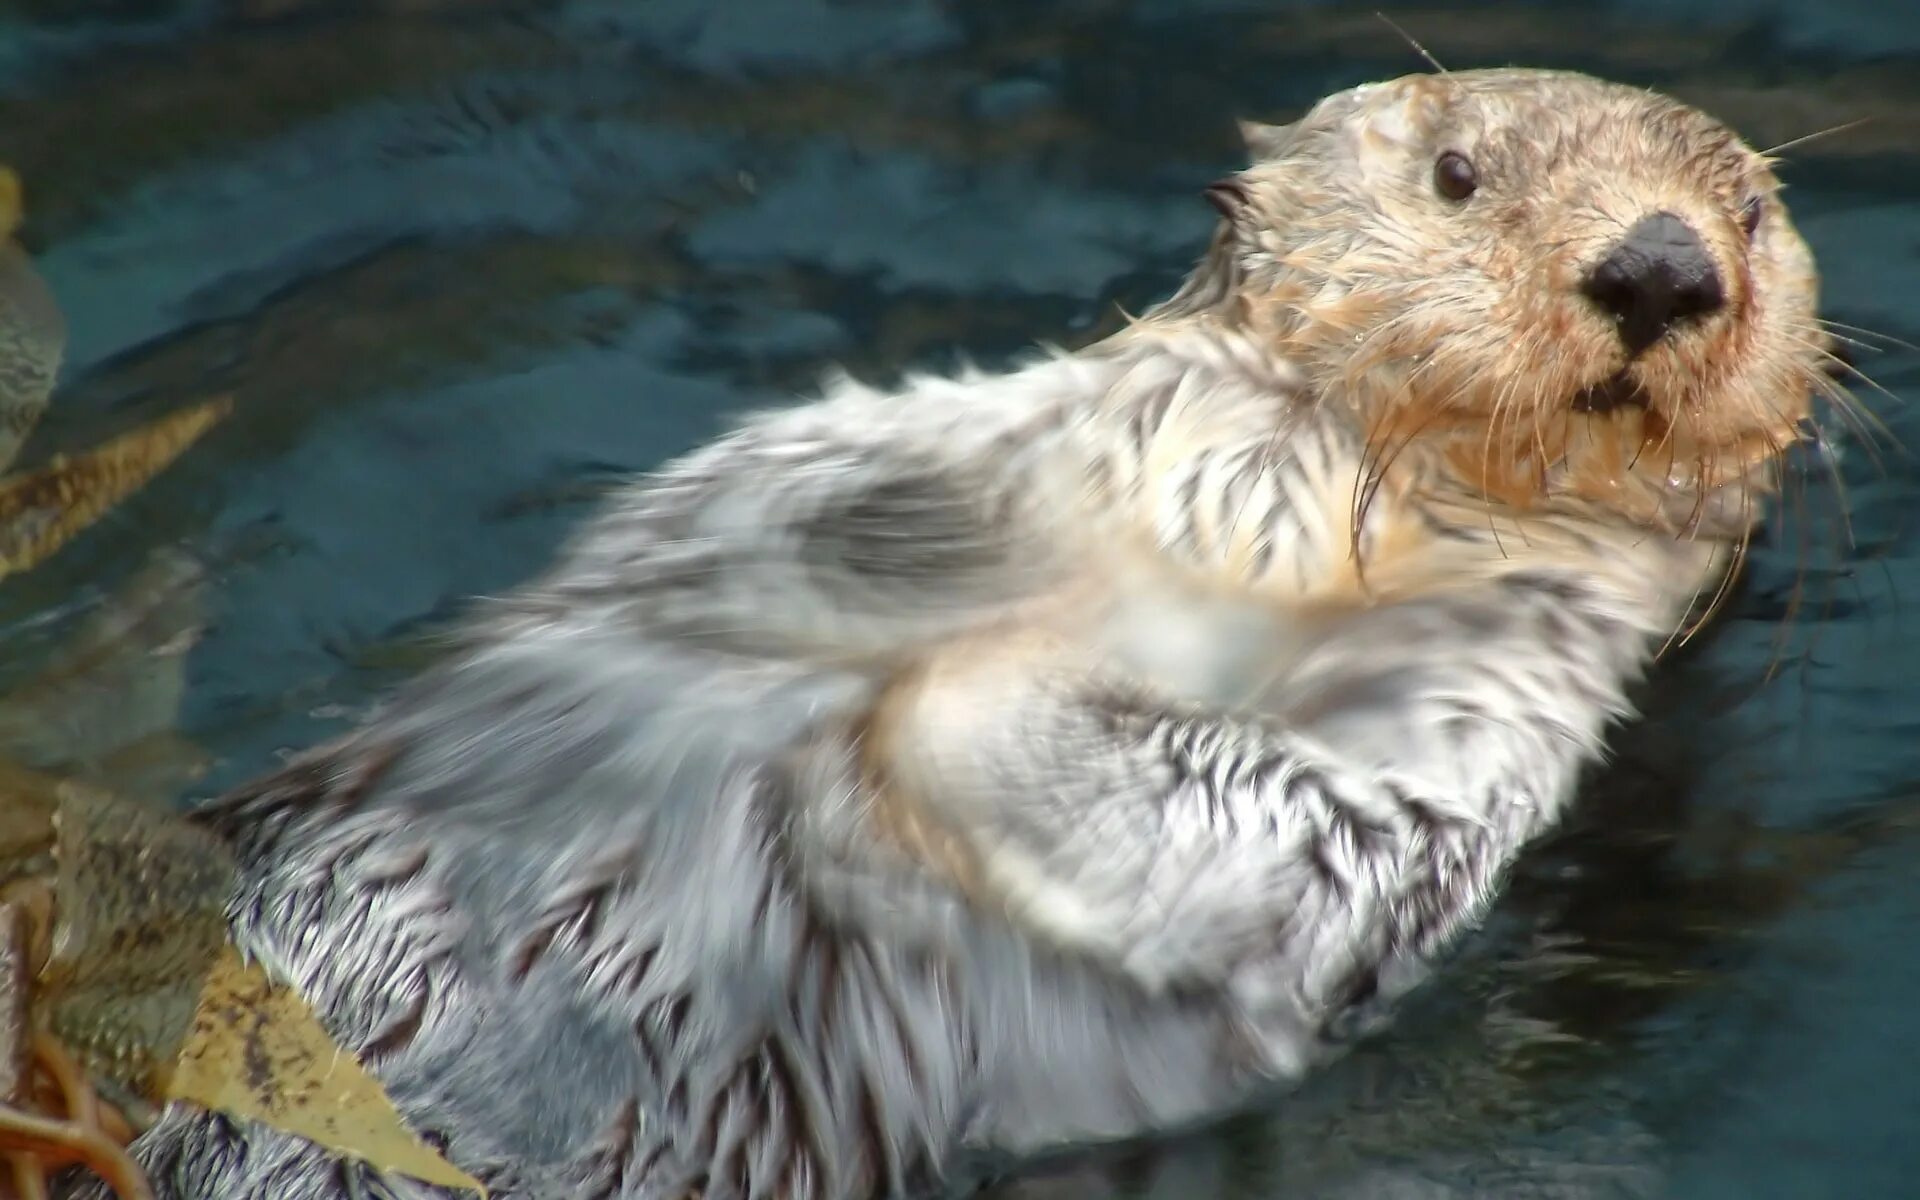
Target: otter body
1063,754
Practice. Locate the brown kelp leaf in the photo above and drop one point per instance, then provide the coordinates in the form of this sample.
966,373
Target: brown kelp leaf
256,1051
142,987
42,510
15,995
28,801
10,202
116,682
139,918
33,334
159,764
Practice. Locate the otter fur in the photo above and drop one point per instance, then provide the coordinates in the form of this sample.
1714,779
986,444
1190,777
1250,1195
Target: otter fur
1032,758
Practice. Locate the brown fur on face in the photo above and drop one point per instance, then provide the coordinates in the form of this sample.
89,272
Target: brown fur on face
1458,330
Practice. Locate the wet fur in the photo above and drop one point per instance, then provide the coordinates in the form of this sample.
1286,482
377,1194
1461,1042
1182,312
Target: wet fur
1012,760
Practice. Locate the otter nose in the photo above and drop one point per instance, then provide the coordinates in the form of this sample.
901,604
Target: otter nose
1658,276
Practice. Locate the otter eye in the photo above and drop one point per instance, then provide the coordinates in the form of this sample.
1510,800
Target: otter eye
1454,177
1750,214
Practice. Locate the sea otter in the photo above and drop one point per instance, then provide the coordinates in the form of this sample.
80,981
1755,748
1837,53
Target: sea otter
1067,753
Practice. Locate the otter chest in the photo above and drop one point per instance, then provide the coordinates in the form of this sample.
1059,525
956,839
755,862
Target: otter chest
1230,549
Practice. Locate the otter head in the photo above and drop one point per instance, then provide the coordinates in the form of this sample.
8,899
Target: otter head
1571,292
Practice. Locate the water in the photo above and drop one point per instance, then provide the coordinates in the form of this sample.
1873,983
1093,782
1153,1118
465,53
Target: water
462,262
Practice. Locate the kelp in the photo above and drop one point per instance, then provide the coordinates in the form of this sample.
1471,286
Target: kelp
43,510
119,992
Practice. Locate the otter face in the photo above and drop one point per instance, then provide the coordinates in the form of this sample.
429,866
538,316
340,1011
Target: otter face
1574,291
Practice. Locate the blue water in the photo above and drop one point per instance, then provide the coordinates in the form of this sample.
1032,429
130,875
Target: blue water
462,262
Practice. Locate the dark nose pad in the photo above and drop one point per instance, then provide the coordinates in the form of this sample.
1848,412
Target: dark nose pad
1660,275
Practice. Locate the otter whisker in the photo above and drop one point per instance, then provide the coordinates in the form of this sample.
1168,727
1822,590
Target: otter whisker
1666,433
1372,351
1857,343
1381,343
1542,460
1800,339
1506,410
1730,578
1408,39
1803,551
1372,445
1867,425
1837,365
1843,507
1863,331
1501,412
1677,636
1861,420
1816,135
1374,473
1669,441
1514,401
1702,480
1872,431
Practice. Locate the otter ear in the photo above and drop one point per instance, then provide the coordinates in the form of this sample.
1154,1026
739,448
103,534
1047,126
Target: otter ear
1228,195
1264,141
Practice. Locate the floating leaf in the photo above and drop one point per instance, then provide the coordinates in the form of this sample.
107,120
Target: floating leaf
116,682
28,801
139,983
15,994
46,823
256,1051
42,510
33,334
10,203
140,915
143,989
157,765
